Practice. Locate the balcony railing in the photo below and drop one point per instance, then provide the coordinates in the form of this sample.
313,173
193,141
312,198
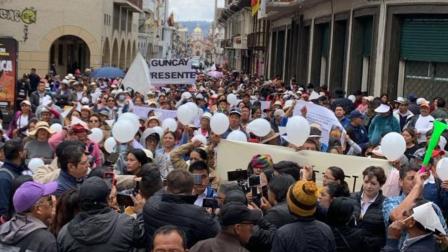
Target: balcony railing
256,40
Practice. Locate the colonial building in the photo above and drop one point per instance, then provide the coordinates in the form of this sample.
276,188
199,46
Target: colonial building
72,34
396,47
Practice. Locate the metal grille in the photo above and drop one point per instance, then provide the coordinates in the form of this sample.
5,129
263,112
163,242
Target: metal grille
426,79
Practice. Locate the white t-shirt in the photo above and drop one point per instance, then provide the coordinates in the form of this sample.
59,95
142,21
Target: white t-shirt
423,125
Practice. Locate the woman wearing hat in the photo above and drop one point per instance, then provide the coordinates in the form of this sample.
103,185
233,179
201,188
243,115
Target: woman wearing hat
39,147
20,120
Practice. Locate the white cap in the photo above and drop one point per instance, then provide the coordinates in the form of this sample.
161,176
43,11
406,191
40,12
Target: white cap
383,108
186,95
206,115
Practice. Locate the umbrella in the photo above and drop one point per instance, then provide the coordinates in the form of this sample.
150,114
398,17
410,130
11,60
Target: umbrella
215,74
107,72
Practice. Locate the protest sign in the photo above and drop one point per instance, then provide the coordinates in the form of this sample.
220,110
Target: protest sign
237,155
171,71
320,115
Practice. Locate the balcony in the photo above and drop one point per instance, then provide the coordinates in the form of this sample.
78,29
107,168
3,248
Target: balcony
256,41
226,43
135,5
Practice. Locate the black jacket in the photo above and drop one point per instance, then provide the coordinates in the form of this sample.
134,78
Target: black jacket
348,239
304,236
262,236
279,215
372,222
179,210
101,230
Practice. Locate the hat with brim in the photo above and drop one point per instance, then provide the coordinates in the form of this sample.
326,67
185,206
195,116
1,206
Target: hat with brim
41,125
154,118
29,193
383,108
271,136
236,212
401,100
26,102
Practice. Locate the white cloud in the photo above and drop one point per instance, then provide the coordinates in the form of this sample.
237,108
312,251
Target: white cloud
193,10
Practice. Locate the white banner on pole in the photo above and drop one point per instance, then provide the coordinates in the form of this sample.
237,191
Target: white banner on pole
171,71
137,76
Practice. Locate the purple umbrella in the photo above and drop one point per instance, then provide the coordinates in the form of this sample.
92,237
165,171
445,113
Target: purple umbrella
215,74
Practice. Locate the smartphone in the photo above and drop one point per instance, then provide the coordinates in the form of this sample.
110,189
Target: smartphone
256,198
264,191
238,175
197,179
210,203
124,200
254,181
136,188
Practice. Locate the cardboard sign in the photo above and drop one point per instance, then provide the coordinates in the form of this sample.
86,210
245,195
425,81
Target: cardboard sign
171,71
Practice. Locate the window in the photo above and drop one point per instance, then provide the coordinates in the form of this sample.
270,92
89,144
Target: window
426,70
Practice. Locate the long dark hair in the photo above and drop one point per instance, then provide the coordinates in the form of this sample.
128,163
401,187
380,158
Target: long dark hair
66,209
339,174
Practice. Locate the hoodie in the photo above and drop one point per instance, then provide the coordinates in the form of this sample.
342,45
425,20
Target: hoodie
26,232
101,230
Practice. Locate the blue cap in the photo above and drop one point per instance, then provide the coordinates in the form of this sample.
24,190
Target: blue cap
355,114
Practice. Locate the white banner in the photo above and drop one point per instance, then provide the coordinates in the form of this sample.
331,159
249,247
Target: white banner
171,71
237,155
320,115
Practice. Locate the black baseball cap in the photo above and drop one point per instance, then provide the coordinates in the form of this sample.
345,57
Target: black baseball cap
235,212
94,193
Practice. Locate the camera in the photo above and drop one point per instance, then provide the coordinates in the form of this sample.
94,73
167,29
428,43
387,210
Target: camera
210,203
237,175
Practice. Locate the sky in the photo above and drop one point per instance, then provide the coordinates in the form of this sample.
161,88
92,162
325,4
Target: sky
193,10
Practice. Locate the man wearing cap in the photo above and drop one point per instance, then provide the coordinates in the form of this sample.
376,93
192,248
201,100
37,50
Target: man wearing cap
28,228
234,122
356,129
11,169
98,227
422,123
383,123
402,114
307,233
237,222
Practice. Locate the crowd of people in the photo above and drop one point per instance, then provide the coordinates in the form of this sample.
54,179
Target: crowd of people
160,191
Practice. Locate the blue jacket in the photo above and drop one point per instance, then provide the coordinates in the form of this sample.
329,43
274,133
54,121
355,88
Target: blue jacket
67,182
380,126
6,187
358,134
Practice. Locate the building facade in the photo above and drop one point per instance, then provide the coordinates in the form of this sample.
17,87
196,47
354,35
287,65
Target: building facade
395,47
71,35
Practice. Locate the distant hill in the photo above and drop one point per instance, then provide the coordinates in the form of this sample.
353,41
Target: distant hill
190,25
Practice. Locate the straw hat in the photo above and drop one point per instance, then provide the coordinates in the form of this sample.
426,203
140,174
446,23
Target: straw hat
41,125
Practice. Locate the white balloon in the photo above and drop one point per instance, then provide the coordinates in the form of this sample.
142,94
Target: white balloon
110,144
124,131
393,146
219,123
237,135
442,169
159,130
297,130
96,135
56,127
35,163
170,124
186,114
260,127
232,99
201,138
130,117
